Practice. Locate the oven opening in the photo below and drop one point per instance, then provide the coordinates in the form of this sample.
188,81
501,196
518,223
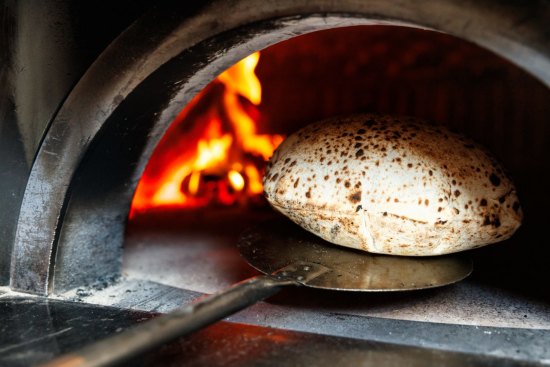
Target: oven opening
135,157
202,185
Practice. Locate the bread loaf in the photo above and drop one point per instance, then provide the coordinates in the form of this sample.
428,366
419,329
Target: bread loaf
392,185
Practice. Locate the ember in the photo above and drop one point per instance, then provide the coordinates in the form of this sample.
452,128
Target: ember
212,154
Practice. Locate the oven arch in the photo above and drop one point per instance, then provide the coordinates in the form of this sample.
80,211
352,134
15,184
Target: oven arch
75,205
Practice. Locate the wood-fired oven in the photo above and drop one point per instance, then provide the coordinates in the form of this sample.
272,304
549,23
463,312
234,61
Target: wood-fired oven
98,100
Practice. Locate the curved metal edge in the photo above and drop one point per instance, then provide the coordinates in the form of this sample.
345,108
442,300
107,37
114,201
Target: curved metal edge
466,263
500,27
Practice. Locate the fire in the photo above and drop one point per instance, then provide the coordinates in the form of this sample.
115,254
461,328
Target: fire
213,152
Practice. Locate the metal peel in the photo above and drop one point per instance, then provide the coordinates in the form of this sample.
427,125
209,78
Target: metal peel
273,246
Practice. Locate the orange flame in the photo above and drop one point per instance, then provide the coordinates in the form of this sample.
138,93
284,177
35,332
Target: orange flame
219,154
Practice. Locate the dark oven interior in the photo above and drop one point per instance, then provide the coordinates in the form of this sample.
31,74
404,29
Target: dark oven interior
132,182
